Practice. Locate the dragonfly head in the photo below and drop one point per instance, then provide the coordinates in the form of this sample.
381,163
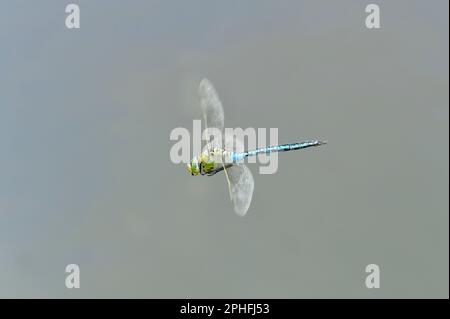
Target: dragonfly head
193,167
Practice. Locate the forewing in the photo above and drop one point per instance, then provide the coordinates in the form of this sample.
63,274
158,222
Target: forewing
211,145
242,185
211,105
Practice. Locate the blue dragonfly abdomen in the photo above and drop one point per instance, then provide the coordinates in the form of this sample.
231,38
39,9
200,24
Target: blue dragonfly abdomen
236,157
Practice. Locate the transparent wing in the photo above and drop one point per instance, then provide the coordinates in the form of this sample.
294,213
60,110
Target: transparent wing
241,187
211,145
211,105
240,179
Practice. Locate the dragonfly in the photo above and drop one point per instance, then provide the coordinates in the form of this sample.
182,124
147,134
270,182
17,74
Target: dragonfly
228,155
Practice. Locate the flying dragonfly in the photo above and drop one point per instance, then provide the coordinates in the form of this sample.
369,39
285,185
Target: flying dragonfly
228,156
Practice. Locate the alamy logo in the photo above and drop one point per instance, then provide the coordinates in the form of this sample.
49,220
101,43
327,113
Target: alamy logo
373,17
231,139
373,279
73,279
73,17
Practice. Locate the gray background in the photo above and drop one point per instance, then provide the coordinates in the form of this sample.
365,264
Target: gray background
86,178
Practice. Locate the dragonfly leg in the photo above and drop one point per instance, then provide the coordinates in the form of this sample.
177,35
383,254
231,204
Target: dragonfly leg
211,173
228,179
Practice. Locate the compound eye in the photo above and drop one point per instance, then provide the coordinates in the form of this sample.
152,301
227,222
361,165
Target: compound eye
194,167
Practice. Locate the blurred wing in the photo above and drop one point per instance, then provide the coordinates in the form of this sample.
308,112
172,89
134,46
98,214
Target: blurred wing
211,105
242,185
211,145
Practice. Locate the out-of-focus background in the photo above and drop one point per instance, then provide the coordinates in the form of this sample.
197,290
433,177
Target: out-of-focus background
86,177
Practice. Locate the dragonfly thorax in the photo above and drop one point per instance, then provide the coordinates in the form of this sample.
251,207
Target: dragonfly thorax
209,161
